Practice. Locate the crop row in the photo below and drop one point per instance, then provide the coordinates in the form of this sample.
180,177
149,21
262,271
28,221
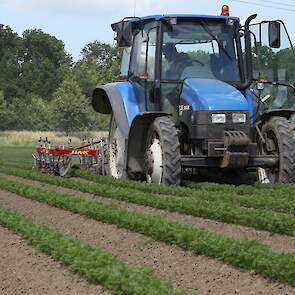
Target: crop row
93,263
246,254
279,197
245,195
276,191
201,192
20,155
225,212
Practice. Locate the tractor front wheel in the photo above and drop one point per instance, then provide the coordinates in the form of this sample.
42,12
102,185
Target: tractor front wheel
279,140
162,158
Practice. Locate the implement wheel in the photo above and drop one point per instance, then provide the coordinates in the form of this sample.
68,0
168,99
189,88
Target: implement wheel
162,158
279,137
64,166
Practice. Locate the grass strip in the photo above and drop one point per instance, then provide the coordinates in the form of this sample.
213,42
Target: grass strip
95,264
23,166
201,191
259,219
246,254
16,155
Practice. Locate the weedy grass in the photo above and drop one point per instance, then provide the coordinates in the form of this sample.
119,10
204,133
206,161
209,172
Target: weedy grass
95,264
30,138
202,191
16,155
246,254
223,211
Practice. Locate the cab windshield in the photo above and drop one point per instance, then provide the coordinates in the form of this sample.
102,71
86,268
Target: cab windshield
201,49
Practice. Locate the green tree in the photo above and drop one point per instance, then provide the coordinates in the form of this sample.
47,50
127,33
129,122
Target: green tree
100,53
100,64
70,109
10,45
29,113
5,114
42,89
43,63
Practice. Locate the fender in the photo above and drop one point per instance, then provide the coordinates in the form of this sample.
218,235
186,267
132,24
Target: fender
137,142
286,113
132,120
117,99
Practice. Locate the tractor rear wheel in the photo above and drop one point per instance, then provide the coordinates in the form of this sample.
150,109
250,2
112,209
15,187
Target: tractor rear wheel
116,151
162,158
279,138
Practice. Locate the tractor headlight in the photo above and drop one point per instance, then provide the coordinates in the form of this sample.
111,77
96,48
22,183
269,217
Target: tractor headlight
218,118
239,118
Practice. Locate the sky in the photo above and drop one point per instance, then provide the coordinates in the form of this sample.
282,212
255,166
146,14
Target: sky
78,22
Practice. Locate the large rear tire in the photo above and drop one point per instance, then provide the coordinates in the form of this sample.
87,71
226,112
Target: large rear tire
116,151
162,159
279,137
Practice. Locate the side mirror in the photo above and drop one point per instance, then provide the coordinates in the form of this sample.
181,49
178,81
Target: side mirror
274,34
124,33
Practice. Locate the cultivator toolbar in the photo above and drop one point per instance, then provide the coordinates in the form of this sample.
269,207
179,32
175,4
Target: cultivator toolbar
59,160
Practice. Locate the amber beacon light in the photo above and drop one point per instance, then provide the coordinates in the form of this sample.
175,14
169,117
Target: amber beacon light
225,10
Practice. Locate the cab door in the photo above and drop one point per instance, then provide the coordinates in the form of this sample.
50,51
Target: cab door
273,65
142,68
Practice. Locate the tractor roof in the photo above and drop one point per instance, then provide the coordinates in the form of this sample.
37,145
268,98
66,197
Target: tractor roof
163,16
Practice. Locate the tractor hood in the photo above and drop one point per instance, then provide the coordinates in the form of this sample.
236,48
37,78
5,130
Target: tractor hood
210,94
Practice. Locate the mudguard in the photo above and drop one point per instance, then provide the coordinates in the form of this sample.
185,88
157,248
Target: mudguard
286,113
131,118
117,99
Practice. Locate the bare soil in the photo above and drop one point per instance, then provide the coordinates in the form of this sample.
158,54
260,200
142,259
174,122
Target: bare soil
277,242
26,271
182,268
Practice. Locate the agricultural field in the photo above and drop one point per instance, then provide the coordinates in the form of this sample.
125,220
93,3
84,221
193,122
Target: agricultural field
87,234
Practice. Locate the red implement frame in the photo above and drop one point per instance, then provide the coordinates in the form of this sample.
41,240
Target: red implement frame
59,160
67,151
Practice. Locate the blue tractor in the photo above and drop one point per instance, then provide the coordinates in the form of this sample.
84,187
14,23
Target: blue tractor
200,92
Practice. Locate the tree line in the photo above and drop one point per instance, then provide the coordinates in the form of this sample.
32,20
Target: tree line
41,88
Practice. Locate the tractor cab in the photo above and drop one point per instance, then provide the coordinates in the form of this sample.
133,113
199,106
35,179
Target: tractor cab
165,51
202,92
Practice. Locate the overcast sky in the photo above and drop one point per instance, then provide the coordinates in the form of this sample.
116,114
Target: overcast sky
78,22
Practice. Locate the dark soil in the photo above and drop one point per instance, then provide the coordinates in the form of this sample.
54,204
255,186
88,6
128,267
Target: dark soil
182,268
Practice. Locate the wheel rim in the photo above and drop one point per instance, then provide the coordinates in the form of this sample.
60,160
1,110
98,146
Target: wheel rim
116,149
154,162
270,148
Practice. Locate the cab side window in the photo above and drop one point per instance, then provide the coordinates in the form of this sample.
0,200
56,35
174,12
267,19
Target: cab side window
138,55
125,62
151,56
